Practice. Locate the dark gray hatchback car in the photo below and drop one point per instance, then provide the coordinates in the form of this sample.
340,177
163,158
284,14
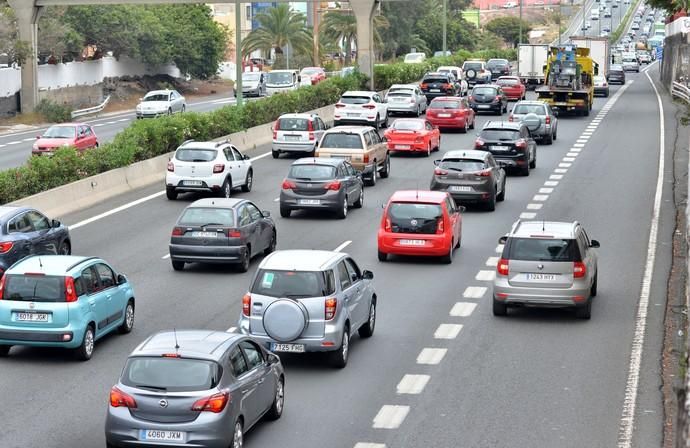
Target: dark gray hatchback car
221,231
314,183
25,231
197,388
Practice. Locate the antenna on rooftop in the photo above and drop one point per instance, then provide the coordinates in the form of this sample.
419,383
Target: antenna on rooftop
177,346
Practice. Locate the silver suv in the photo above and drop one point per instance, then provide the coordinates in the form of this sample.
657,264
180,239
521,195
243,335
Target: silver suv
549,264
309,301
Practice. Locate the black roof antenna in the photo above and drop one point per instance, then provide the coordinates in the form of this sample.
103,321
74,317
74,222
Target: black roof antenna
177,346
40,263
543,225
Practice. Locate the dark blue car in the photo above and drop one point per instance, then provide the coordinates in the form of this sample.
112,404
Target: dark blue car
25,231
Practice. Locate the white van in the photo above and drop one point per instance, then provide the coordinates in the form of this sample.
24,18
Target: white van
282,81
414,58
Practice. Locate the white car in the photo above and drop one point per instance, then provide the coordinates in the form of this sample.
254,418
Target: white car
459,76
210,167
508,5
297,133
361,107
414,58
161,102
476,72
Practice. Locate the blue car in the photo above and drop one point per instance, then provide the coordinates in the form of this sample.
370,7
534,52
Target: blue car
63,301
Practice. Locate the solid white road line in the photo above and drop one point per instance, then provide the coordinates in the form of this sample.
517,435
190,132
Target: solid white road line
390,416
431,356
627,422
123,119
231,330
527,215
98,125
492,261
369,445
342,246
475,292
116,210
485,276
447,331
463,309
412,384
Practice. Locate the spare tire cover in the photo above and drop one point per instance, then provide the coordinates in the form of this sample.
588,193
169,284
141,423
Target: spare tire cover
532,121
471,73
284,320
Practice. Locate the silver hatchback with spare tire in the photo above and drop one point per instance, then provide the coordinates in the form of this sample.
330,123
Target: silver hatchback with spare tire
309,301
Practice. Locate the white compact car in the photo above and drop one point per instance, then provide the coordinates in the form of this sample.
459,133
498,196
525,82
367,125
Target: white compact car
360,107
161,102
297,133
210,167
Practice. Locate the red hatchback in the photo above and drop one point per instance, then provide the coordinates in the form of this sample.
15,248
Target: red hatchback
512,87
450,112
413,135
317,74
77,135
424,223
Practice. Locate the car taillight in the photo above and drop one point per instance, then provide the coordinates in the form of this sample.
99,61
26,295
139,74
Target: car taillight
246,304
6,247
440,172
483,173
521,144
215,403
334,186
171,167
502,267
70,291
423,85
497,99
330,308
177,231
478,143
510,117
219,168
119,399
547,120
289,185
2,285
387,225
365,158
439,226
369,106
276,128
419,139
310,126
579,269
471,98
233,233
339,105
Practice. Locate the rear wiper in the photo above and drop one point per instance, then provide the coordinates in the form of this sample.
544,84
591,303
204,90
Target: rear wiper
145,386
454,169
199,160
302,178
296,296
210,224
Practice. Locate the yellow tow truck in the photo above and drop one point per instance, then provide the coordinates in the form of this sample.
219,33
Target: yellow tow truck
569,73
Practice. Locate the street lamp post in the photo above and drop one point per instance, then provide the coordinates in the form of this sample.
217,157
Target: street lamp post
560,14
520,36
445,26
238,53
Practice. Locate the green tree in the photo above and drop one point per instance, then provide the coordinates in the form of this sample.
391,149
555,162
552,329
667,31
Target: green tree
460,33
56,38
278,28
340,28
508,29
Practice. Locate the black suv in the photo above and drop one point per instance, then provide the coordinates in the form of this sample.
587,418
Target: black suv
510,143
488,98
498,68
438,84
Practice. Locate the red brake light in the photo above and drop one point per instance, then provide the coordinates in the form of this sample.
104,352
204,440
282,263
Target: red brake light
310,126
365,158
6,247
312,137
2,285
289,185
579,269
120,399
171,167
70,291
423,85
440,172
219,168
478,143
177,231
369,106
521,143
215,403
233,233
171,355
498,98
387,225
510,117
483,173
330,308
276,126
547,120
334,186
502,267
439,226
339,105
246,304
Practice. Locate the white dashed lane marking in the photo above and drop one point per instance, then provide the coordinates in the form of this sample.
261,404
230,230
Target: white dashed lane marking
165,257
492,261
98,125
342,246
579,145
565,164
463,309
431,356
551,183
13,143
475,292
540,197
572,154
560,170
231,330
485,276
390,416
369,445
29,139
568,159
527,215
546,190
534,206
447,331
499,249
412,384
556,177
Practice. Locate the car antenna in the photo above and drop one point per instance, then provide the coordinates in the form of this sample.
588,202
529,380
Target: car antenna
40,263
177,346
543,225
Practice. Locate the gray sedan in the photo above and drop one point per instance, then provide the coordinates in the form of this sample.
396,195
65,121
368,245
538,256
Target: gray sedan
196,388
405,99
548,128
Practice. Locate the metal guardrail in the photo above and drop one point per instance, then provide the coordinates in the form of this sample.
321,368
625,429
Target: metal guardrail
681,91
91,110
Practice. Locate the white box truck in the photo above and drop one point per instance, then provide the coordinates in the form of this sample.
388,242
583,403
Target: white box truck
531,63
598,50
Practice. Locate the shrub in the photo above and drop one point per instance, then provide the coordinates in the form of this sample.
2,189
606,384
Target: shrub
53,112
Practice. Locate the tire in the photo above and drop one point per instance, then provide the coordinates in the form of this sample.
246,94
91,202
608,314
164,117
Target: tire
502,195
128,322
419,111
171,193
386,167
593,289
339,357
491,203
499,308
428,150
384,123
383,256
278,401
272,244
584,312
548,140
372,180
448,258
226,189
524,171
247,187
472,124
5,350
555,135
359,203
285,212
85,350
65,248
586,111
237,435
533,163
341,212
169,112
243,266
367,330
184,108
465,128
177,265
275,154
377,123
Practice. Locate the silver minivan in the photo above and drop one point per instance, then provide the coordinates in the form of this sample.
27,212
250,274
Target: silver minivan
309,301
548,122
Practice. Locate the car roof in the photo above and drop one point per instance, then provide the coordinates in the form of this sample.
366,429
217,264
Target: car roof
48,264
202,145
282,71
531,103
206,344
447,98
156,92
466,154
435,197
436,73
349,129
448,67
359,93
555,229
300,260
304,115
216,203
508,77
503,125
318,161
402,86
7,211
69,124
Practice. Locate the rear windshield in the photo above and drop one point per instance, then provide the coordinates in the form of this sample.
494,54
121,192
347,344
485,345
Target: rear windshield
497,62
171,374
312,172
472,66
200,216
529,109
507,82
402,93
293,284
293,124
341,140
195,155
406,217
444,104
435,79
500,134
408,125
542,249
34,288
462,165
483,91
355,99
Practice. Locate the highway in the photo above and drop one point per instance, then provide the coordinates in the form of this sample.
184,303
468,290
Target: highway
537,378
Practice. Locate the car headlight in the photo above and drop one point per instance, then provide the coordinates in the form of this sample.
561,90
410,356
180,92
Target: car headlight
35,146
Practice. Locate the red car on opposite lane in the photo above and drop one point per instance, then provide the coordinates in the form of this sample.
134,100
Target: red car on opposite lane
413,135
451,112
512,87
317,74
77,135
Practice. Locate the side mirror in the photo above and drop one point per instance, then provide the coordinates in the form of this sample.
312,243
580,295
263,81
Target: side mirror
437,162
265,213
462,209
273,358
594,244
384,139
121,279
38,136
368,275
354,277
502,240
55,224
246,157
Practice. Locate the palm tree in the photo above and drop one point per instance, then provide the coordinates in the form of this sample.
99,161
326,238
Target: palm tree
341,27
278,28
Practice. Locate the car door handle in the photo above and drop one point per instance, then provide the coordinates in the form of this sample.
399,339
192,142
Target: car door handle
244,391
109,296
261,380
92,302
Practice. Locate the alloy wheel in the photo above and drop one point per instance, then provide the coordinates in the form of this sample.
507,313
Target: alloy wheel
129,316
88,342
280,397
238,436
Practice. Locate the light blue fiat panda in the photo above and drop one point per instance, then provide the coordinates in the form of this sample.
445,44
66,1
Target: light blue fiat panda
63,301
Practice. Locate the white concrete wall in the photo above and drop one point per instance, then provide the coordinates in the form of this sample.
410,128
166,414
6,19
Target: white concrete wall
10,81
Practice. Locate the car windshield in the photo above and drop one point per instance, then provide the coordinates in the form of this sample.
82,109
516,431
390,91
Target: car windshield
34,288
472,66
414,217
435,79
542,249
599,79
500,134
293,124
484,91
462,165
59,132
156,97
201,216
279,78
312,172
355,99
171,374
341,140
408,125
507,82
523,109
413,57
195,155
251,76
293,284
444,104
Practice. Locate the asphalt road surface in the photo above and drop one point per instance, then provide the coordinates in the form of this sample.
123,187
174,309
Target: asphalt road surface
538,378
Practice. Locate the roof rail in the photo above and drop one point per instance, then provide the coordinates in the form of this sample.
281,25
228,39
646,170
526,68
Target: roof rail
575,226
187,141
81,261
224,142
516,224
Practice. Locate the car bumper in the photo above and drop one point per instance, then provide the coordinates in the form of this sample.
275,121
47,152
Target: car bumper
355,120
513,96
293,146
434,246
251,92
206,254
493,107
457,122
616,80
518,161
331,340
403,109
478,81
480,193
544,297
601,90
54,337
211,184
150,114
407,146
